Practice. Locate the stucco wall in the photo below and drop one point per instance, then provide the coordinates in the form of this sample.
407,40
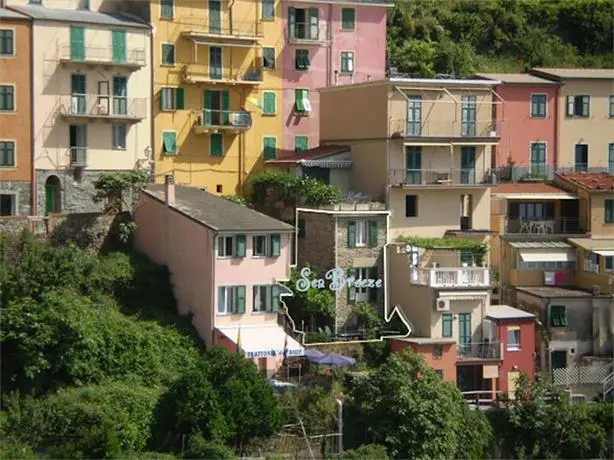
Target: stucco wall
446,364
523,359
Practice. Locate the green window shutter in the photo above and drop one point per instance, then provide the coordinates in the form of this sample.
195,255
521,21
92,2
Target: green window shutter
348,18
207,102
275,298
351,291
118,38
301,143
298,100
373,233
446,325
169,139
269,103
240,242
351,234
77,43
275,245
291,22
373,291
558,316
608,216
180,102
217,145
225,107
314,24
269,151
239,299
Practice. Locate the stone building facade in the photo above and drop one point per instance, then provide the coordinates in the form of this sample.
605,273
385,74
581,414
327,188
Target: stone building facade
349,240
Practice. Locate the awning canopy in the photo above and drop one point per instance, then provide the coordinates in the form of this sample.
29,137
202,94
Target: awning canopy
333,164
548,256
604,252
231,40
594,244
263,341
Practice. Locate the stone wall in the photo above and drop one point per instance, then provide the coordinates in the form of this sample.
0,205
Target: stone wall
76,191
22,190
316,247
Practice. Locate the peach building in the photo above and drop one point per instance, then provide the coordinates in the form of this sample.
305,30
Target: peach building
226,262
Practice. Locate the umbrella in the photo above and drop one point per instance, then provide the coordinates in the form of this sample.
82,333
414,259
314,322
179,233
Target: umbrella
313,355
335,359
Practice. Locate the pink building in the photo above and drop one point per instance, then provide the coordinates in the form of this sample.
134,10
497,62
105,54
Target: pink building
326,43
225,261
529,123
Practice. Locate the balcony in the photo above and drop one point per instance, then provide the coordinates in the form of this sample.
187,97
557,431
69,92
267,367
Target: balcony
469,177
202,73
540,173
213,121
223,31
488,129
456,277
133,58
304,32
115,109
545,226
78,157
479,351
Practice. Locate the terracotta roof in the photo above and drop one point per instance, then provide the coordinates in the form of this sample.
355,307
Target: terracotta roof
289,157
565,74
516,78
526,188
592,182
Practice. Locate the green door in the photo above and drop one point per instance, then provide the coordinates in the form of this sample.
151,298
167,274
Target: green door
467,165
413,165
225,107
215,16
464,331
119,46
78,90
77,43
49,192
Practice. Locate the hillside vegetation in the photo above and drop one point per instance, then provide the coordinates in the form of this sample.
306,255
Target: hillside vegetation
460,37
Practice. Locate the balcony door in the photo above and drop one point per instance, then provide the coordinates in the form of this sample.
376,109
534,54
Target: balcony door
216,105
581,157
464,331
215,63
120,93
78,88
362,293
78,144
413,165
215,16
414,115
468,116
467,165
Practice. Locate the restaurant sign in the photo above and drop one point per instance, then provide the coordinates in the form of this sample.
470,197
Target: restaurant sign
273,353
339,281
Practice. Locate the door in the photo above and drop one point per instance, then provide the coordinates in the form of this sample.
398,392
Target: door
558,359
212,105
52,195
538,159
467,165
215,16
414,115
570,216
78,88
468,114
413,165
103,98
464,331
215,63
362,293
118,39
120,93
77,43
78,145
581,157
512,381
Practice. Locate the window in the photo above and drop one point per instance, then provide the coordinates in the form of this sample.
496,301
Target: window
437,351
347,62
609,263
268,9
269,103
118,40
439,372
166,9
8,204
591,262
608,217
578,106
362,233
301,59
513,338
7,154
119,136
581,158
6,43
466,257
266,298
558,316
259,245
7,98
348,18
301,143
538,159
303,24
411,205
168,54
172,98
468,116
611,112
414,115
302,228
538,105
215,62
231,299
169,142
120,95
611,159
302,106
231,246
446,325
269,148
77,43
268,58
363,293
216,145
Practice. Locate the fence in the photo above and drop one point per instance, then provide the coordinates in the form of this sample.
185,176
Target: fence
580,375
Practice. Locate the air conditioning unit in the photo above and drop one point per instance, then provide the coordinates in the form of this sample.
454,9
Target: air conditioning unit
549,278
442,304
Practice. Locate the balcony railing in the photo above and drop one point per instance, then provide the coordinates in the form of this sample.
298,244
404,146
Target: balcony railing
223,120
222,28
78,156
194,73
545,226
132,57
101,107
443,176
304,31
479,351
539,173
449,128
457,277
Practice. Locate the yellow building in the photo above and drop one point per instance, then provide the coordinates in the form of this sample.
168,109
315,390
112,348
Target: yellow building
217,90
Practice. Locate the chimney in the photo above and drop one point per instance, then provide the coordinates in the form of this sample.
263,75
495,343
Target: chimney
169,190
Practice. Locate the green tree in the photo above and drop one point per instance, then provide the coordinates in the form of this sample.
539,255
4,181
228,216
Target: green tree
366,451
117,189
405,406
316,307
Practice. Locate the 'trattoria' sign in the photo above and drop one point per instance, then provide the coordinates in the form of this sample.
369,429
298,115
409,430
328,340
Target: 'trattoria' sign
338,281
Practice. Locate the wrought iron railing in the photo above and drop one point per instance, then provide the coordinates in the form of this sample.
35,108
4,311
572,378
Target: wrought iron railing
89,105
103,55
441,176
78,156
451,277
224,118
478,351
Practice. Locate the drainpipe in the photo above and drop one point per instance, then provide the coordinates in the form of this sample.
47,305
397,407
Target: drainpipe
33,198
329,39
152,90
556,126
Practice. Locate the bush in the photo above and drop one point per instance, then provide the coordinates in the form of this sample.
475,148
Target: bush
367,451
198,447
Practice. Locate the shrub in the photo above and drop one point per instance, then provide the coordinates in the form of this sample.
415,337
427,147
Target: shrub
370,451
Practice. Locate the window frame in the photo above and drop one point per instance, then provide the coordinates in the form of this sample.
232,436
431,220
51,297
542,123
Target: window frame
122,126
230,308
608,219
447,319
611,158
219,154
295,143
346,29
264,107
13,40
272,16
362,229
305,94
7,142
611,106
264,146
296,59
561,316
164,152
13,97
415,206
517,344
576,98
175,105
532,145
233,246
532,103
14,201
267,246
609,259
350,53
162,54
274,58
172,6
